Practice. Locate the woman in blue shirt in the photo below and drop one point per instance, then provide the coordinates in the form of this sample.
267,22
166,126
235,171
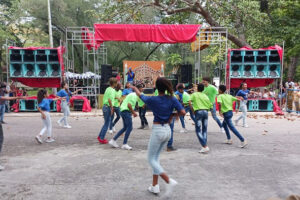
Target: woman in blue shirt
162,107
243,92
44,109
65,105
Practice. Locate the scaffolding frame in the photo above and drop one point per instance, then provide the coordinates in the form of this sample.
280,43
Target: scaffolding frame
94,57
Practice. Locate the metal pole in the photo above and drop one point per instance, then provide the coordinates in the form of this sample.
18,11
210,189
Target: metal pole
50,25
281,73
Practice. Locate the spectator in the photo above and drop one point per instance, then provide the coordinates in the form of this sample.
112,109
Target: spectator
130,76
266,94
118,77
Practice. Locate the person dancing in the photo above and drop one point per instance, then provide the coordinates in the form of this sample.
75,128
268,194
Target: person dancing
162,107
117,103
142,110
242,105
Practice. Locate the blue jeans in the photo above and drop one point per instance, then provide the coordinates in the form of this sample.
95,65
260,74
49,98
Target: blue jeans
170,142
2,111
127,126
1,137
187,110
227,123
107,119
112,121
158,140
142,114
201,120
214,115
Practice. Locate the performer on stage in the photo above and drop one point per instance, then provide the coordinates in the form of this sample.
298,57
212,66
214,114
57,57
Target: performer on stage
130,76
162,107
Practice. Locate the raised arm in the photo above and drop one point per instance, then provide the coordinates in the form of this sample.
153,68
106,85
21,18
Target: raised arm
12,98
138,93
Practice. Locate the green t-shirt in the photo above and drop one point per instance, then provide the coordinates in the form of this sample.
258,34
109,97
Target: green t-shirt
185,98
140,102
156,92
130,99
200,101
109,94
118,94
211,91
226,101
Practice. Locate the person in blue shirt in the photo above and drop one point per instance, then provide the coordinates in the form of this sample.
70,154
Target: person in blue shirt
44,109
130,76
1,129
127,90
243,93
162,107
65,104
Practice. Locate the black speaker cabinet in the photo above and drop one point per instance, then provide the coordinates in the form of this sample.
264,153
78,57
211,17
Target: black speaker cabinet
186,73
236,57
78,104
106,73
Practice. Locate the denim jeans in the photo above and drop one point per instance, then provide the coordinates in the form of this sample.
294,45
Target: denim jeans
112,121
187,110
158,140
107,119
1,137
214,115
47,125
201,120
127,126
170,142
243,108
2,111
66,110
227,123
142,115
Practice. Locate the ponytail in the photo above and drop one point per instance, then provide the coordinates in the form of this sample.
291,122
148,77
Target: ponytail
163,85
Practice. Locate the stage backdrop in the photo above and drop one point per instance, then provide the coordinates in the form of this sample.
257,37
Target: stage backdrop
145,71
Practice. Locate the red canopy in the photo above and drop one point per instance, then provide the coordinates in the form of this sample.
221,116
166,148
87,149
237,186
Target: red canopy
159,33
89,39
43,82
236,82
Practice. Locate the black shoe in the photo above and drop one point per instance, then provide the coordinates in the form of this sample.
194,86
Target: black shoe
171,149
3,122
141,127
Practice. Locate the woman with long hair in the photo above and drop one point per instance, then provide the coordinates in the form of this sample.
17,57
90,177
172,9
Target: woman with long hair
65,104
162,107
44,109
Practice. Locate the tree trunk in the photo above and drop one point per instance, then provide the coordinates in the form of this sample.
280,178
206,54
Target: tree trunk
292,67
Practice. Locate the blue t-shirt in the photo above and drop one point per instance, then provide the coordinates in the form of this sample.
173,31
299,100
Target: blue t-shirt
162,106
130,76
63,93
126,91
45,104
180,96
243,93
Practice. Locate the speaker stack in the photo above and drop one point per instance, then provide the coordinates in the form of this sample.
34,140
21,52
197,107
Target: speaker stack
255,64
106,74
186,74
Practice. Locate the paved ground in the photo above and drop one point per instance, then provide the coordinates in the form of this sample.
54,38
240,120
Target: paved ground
77,167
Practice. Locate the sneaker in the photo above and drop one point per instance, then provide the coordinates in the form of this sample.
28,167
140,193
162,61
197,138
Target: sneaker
154,189
245,126
2,168
39,139
146,127
67,126
141,127
204,150
110,131
104,141
3,122
236,122
184,130
171,149
113,143
170,187
244,144
59,123
222,130
126,146
114,130
49,140
228,141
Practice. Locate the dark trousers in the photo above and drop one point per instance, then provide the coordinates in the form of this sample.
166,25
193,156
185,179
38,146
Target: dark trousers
1,137
142,114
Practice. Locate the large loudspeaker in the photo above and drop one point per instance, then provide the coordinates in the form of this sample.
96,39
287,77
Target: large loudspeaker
186,73
28,56
16,70
29,70
106,73
103,88
41,70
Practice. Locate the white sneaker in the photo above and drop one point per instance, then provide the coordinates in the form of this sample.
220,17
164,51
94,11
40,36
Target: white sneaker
204,150
113,143
146,127
67,126
49,140
59,123
245,126
222,130
126,146
114,130
2,168
236,122
228,141
110,132
170,187
244,144
182,131
39,139
154,189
